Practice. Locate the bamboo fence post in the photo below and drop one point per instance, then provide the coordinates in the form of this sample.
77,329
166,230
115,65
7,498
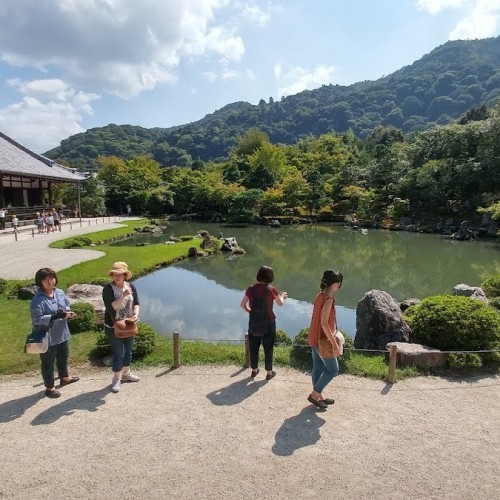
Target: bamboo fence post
177,360
393,356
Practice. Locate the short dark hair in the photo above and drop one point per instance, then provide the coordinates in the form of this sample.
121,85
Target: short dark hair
330,277
41,274
265,274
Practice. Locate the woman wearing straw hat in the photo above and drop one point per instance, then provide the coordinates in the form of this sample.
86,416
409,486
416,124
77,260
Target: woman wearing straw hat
121,304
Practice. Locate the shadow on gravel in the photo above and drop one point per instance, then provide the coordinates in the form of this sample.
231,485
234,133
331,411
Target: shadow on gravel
10,410
88,401
298,432
235,393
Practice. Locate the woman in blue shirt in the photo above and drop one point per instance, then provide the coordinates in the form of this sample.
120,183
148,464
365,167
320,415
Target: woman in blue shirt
50,308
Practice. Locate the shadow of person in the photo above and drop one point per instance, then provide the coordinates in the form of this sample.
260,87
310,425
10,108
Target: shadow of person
10,410
88,401
297,432
235,393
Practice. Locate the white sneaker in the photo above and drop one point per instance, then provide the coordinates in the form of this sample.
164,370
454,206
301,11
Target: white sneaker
115,385
130,377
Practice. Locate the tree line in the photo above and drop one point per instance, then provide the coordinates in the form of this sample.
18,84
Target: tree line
447,170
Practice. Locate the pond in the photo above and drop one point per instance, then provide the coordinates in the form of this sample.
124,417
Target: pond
200,297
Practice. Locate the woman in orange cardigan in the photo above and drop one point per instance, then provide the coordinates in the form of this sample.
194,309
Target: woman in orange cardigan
323,322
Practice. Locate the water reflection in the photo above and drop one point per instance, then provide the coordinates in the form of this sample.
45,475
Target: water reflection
200,297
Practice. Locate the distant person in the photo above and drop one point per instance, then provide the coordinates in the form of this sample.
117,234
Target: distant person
258,303
50,308
324,323
9,206
121,305
57,220
129,210
15,222
3,213
49,222
39,222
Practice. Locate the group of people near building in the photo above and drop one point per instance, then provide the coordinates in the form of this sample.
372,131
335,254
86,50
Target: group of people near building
49,221
50,308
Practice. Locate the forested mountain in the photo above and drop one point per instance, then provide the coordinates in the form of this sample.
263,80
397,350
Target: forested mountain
434,90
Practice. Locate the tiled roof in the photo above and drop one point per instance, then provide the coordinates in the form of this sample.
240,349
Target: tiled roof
17,160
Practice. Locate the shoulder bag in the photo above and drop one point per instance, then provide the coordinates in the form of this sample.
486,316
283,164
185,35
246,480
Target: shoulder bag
37,342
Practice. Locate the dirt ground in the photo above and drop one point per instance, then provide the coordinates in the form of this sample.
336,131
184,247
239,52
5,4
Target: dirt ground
212,433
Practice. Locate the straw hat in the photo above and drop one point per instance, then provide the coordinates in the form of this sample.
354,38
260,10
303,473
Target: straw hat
120,268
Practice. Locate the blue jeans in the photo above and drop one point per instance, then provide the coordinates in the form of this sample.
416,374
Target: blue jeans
121,350
323,370
59,354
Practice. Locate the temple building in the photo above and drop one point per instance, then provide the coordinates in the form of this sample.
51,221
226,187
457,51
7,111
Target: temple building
27,178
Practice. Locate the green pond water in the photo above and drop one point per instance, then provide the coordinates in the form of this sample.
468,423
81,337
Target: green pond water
200,297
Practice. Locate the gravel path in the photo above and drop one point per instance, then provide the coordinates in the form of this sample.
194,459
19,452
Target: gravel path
21,259
211,433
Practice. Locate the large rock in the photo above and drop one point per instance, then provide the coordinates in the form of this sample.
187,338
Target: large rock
379,321
474,292
418,354
92,294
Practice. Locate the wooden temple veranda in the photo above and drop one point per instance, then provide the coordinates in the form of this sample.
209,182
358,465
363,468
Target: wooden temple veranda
27,178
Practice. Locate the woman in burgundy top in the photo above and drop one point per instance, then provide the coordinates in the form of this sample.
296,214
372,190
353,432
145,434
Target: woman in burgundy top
258,303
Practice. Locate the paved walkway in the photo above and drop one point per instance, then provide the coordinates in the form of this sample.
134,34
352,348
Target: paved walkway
21,259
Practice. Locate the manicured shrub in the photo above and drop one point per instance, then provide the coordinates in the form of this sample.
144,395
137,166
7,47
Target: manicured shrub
100,281
282,338
495,302
300,355
3,285
454,323
85,317
77,242
144,343
464,360
491,286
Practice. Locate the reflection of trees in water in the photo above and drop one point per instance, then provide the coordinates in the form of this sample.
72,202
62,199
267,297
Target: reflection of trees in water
403,264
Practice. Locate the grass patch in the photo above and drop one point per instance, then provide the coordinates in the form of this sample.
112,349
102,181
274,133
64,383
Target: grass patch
375,366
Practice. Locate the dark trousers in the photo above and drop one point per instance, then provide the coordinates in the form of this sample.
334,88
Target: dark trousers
267,342
59,354
2,222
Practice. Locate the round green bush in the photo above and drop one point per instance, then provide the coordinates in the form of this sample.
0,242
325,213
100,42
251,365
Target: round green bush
464,360
144,343
3,285
454,323
282,338
491,286
300,355
85,317
495,302
77,242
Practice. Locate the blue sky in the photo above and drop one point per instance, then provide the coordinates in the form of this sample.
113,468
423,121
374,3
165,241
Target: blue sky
70,65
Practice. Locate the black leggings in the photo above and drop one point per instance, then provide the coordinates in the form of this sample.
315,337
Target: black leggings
268,344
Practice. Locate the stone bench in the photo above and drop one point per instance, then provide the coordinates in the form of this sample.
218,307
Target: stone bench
418,354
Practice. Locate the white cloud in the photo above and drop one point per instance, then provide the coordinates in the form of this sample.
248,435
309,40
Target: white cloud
258,14
251,75
298,79
49,109
482,22
436,6
123,46
481,18
225,74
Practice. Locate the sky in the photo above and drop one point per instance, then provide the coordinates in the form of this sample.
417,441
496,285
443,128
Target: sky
70,65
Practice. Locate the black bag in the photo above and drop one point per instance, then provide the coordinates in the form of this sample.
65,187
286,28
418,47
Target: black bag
258,323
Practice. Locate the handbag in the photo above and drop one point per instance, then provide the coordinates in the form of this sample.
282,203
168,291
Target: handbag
37,342
125,328
325,347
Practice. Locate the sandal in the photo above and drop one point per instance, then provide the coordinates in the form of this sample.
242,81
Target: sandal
72,380
328,401
52,394
317,403
254,373
269,377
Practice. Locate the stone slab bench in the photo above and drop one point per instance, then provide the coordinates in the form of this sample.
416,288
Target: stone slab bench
418,354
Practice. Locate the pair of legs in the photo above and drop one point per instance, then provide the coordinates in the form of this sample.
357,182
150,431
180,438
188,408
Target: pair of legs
59,355
323,371
121,351
267,342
